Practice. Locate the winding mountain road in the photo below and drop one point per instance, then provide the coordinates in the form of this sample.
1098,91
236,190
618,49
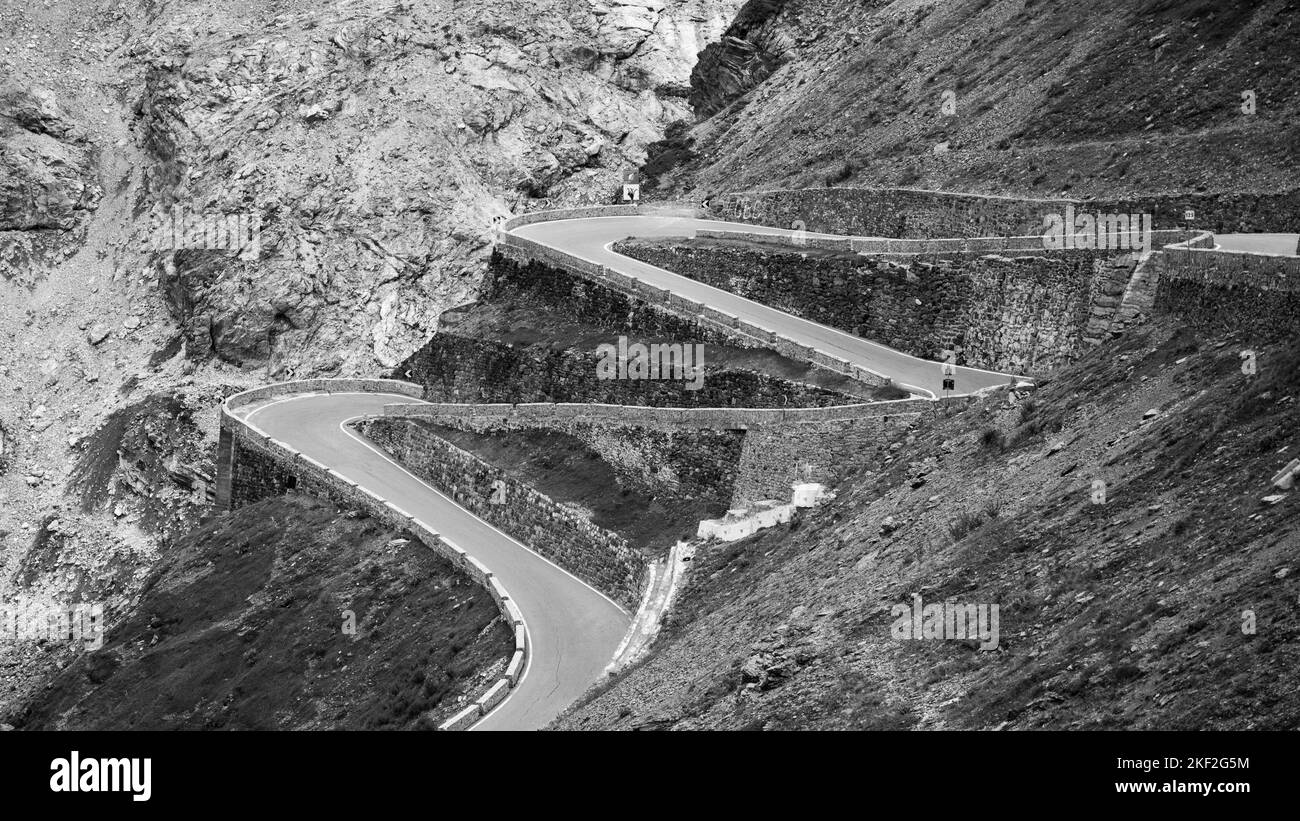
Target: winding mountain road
590,239
573,629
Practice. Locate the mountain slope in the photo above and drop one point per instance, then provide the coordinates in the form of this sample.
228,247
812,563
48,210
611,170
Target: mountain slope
1045,97
1171,605
244,625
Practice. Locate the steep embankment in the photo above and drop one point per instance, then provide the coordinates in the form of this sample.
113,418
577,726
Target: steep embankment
1170,605
245,624
1121,518
376,141
1001,96
379,146
1026,313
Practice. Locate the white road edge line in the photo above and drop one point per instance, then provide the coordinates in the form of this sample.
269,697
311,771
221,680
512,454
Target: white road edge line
528,656
388,459
776,232
607,247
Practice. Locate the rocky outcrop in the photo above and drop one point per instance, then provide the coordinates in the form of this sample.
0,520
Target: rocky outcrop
653,44
43,173
396,140
747,54
625,24
46,186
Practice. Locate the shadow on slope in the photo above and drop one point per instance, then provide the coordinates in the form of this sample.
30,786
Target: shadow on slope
241,626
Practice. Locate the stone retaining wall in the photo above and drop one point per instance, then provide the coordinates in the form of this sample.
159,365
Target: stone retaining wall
1031,244
668,464
738,332
918,214
252,465
774,458
455,368
1026,314
1255,294
597,556
717,418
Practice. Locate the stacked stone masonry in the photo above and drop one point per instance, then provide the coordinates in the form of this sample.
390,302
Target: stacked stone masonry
1254,294
252,466
593,554
454,368
773,458
911,213
671,463
1026,314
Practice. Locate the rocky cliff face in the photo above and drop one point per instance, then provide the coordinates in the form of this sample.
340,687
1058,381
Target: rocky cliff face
46,185
1052,97
378,147
749,51
376,142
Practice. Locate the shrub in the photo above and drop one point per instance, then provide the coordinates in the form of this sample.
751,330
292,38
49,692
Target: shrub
993,507
961,526
1027,410
846,170
891,390
993,439
675,149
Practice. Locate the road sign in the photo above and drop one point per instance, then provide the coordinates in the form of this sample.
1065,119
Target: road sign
949,384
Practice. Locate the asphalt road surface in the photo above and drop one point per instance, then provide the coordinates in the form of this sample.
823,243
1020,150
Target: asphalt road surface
590,239
573,629
1281,244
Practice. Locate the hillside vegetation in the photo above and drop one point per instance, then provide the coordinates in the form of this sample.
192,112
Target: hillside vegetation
1171,605
244,624
1039,97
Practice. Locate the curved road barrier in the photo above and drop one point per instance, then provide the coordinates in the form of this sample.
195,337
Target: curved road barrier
565,630
579,240
1024,244
718,418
